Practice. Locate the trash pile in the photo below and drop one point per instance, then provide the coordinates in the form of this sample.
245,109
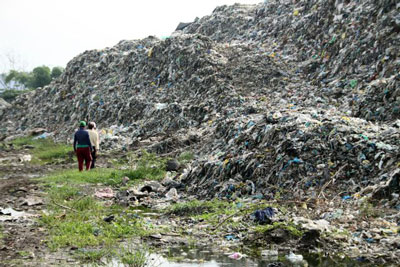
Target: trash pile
302,149
350,49
3,105
284,95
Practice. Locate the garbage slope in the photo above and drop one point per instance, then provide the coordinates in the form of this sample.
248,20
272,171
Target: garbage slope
350,49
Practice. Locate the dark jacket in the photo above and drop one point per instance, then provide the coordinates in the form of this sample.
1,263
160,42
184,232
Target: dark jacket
81,139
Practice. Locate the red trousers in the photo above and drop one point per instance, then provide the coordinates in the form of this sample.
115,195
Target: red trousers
83,154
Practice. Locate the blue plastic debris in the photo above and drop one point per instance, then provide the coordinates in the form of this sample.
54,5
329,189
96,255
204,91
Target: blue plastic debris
251,123
296,160
230,237
370,240
258,196
346,197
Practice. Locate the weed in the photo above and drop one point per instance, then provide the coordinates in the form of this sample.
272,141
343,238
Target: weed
75,219
290,227
24,254
93,255
367,209
99,175
134,257
146,166
186,156
82,224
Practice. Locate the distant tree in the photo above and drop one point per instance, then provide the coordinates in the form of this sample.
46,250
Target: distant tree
20,78
56,72
40,76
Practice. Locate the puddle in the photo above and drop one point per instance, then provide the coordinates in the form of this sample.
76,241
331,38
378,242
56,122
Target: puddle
184,257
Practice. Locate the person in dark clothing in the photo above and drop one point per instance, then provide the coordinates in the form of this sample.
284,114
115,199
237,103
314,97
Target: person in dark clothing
82,146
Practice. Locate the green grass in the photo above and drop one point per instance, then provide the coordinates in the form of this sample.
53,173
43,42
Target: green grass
44,150
82,224
367,209
146,165
134,257
186,157
93,255
290,227
141,165
73,177
220,214
23,253
76,219
110,177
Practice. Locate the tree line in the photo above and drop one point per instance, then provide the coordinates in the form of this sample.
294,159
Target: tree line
17,82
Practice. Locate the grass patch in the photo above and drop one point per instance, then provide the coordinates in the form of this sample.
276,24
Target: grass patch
110,177
23,253
44,150
216,211
76,219
83,224
197,207
186,157
93,255
212,211
290,227
73,177
367,210
146,165
134,257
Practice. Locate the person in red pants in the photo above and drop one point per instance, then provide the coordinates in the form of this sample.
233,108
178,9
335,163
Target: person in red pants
82,146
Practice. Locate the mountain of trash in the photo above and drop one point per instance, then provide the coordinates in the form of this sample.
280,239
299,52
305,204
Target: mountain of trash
284,95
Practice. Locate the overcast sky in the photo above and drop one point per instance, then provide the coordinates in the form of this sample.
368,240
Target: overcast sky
52,32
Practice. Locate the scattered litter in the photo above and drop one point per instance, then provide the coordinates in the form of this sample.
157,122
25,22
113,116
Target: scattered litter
236,256
104,193
264,216
172,194
294,258
32,201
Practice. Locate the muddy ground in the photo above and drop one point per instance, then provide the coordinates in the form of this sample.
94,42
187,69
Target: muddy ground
22,242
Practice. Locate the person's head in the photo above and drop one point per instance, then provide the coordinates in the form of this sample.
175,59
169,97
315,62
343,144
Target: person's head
92,125
82,124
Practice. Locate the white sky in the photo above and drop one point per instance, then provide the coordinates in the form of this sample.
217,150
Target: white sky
52,32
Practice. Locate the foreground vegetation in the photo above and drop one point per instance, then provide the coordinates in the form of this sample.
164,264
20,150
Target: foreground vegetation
95,227
44,150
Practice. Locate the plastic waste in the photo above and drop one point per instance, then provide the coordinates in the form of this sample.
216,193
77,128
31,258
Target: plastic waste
264,216
236,256
294,258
